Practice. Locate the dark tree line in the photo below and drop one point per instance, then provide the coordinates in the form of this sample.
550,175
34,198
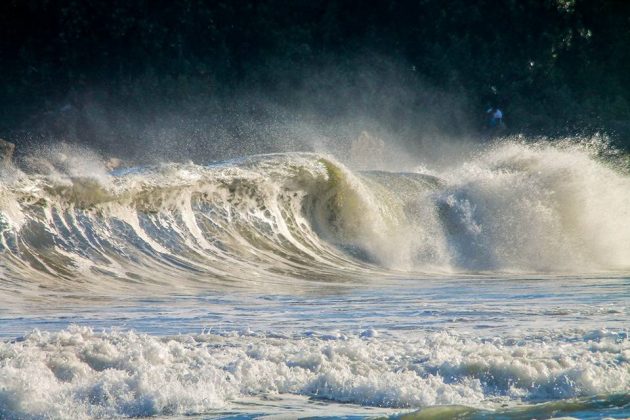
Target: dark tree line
555,66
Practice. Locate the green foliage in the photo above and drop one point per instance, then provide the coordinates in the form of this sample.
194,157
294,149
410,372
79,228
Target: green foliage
553,65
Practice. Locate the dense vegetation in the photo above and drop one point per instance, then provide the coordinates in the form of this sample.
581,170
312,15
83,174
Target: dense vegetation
554,66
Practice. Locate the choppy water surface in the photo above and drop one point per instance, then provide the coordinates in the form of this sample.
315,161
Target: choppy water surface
289,285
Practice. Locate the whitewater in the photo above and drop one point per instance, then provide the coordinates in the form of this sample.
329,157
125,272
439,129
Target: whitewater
293,284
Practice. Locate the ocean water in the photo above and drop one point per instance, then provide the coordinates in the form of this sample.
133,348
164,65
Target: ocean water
291,286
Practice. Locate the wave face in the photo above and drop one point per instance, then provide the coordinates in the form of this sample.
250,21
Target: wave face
513,207
291,285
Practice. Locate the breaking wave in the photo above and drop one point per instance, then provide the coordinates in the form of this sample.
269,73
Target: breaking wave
512,207
72,231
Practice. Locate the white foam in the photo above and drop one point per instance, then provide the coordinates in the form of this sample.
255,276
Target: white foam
513,207
79,373
540,207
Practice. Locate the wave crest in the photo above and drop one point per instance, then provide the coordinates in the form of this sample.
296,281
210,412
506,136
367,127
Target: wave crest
514,206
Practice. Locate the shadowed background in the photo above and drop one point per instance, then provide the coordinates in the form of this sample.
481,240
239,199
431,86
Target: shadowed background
216,79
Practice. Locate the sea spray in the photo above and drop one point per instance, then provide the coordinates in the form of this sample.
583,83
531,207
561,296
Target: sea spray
513,207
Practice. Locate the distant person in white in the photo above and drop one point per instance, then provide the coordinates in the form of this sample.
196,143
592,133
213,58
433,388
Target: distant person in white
496,117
